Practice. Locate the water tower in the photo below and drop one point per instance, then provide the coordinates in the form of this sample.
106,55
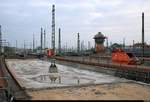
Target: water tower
99,42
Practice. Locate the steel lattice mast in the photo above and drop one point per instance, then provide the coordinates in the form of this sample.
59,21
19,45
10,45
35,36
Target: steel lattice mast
78,43
33,43
44,39
41,39
53,28
143,44
59,42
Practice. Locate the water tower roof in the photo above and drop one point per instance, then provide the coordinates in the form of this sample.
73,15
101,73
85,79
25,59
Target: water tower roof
99,35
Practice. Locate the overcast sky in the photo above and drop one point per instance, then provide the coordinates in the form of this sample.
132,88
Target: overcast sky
116,19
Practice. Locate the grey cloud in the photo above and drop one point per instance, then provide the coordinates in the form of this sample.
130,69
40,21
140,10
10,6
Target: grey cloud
115,18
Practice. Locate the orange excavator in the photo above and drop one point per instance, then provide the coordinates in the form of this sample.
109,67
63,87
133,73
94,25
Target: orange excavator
50,52
122,57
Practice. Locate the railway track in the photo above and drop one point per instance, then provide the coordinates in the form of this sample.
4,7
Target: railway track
10,88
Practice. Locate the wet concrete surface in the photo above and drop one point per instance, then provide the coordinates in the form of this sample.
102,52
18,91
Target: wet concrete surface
30,74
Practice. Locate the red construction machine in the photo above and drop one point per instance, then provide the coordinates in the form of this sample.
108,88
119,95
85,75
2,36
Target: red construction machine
122,57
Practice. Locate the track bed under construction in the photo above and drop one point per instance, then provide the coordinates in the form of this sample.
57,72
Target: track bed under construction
33,74
10,87
77,79
135,72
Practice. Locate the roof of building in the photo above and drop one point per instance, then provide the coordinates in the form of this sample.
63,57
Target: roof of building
99,35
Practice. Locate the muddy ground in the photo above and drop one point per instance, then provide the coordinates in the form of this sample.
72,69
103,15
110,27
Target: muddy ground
117,91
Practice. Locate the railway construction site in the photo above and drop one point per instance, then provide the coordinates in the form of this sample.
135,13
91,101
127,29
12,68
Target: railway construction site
28,79
96,72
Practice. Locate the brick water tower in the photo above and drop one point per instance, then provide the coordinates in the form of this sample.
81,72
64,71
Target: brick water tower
99,42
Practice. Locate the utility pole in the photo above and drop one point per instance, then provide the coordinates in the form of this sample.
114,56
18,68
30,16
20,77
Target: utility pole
143,36
44,39
59,41
33,43
89,45
24,49
31,46
78,44
0,40
16,45
66,47
53,28
110,44
107,41
41,39
82,46
133,42
36,44
124,43
133,45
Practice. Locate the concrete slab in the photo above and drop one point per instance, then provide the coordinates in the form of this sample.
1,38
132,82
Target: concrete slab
30,72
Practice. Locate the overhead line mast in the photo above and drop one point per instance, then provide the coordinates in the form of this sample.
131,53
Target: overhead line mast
41,39
59,41
0,39
53,28
44,39
143,44
78,43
